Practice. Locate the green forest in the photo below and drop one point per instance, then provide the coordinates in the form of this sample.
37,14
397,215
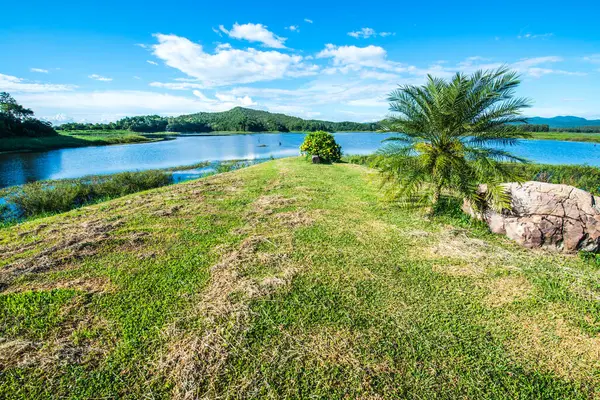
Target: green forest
238,119
18,121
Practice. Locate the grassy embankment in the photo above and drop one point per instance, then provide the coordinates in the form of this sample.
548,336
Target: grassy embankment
568,136
287,280
76,139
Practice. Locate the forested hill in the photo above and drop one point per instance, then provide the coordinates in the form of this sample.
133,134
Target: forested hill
238,119
564,122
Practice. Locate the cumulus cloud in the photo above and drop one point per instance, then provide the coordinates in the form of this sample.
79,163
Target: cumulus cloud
255,33
228,66
43,71
101,78
366,33
353,56
12,84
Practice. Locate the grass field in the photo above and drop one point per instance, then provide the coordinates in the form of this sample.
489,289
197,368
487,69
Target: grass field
75,139
568,136
288,280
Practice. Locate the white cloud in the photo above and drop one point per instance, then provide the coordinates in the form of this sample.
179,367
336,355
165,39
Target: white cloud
177,85
310,21
43,71
228,66
538,72
11,83
525,63
366,33
218,32
293,28
97,77
593,58
59,118
111,105
226,101
356,57
151,62
534,67
255,33
534,36
142,45
381,76
223,46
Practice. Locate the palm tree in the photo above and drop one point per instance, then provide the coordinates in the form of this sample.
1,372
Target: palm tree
452,134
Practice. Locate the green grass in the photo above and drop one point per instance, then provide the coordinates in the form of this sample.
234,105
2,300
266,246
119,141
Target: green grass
568,136
76,139
288,280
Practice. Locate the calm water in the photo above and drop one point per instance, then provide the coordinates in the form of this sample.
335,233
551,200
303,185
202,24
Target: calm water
18,168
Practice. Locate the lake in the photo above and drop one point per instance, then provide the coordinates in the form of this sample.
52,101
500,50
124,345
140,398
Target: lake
18,168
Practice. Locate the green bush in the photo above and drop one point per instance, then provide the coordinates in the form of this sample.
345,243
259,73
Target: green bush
321,144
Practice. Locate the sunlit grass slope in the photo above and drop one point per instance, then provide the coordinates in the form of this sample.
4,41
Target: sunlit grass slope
287,280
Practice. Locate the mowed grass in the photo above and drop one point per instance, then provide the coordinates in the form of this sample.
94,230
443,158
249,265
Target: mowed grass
75,139
288,280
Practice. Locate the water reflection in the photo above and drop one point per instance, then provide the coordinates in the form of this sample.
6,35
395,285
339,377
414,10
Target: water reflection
18,168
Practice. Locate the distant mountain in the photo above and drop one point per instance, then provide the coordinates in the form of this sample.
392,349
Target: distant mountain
564,122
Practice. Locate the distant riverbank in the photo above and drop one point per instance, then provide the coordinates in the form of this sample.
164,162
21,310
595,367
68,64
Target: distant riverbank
77,139
567,136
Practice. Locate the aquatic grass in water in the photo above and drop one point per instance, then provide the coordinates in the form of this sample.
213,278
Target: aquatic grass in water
60,196
50,197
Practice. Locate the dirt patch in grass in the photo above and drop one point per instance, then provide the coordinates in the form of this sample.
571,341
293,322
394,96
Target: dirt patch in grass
194,361
84,284
548,341
506,290
268,204
60,248
459,269
62,347
464,255
294,219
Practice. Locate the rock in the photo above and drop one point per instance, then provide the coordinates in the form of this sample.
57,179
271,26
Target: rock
316,160
546,215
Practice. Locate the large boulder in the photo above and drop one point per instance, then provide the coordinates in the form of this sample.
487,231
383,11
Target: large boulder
559,217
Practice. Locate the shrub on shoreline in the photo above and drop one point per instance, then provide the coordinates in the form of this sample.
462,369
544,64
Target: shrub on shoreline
322,144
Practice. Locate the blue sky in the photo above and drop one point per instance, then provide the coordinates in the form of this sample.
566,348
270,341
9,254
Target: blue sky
100,61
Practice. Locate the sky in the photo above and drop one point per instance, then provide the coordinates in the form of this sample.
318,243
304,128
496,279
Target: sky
101,61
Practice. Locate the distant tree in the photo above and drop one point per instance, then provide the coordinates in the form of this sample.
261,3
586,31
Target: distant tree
451,130
16,120
9,105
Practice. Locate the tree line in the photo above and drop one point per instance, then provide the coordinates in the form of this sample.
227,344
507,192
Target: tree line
235,120
18,121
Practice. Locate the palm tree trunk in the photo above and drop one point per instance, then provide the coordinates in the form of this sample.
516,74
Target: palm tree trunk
436,194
